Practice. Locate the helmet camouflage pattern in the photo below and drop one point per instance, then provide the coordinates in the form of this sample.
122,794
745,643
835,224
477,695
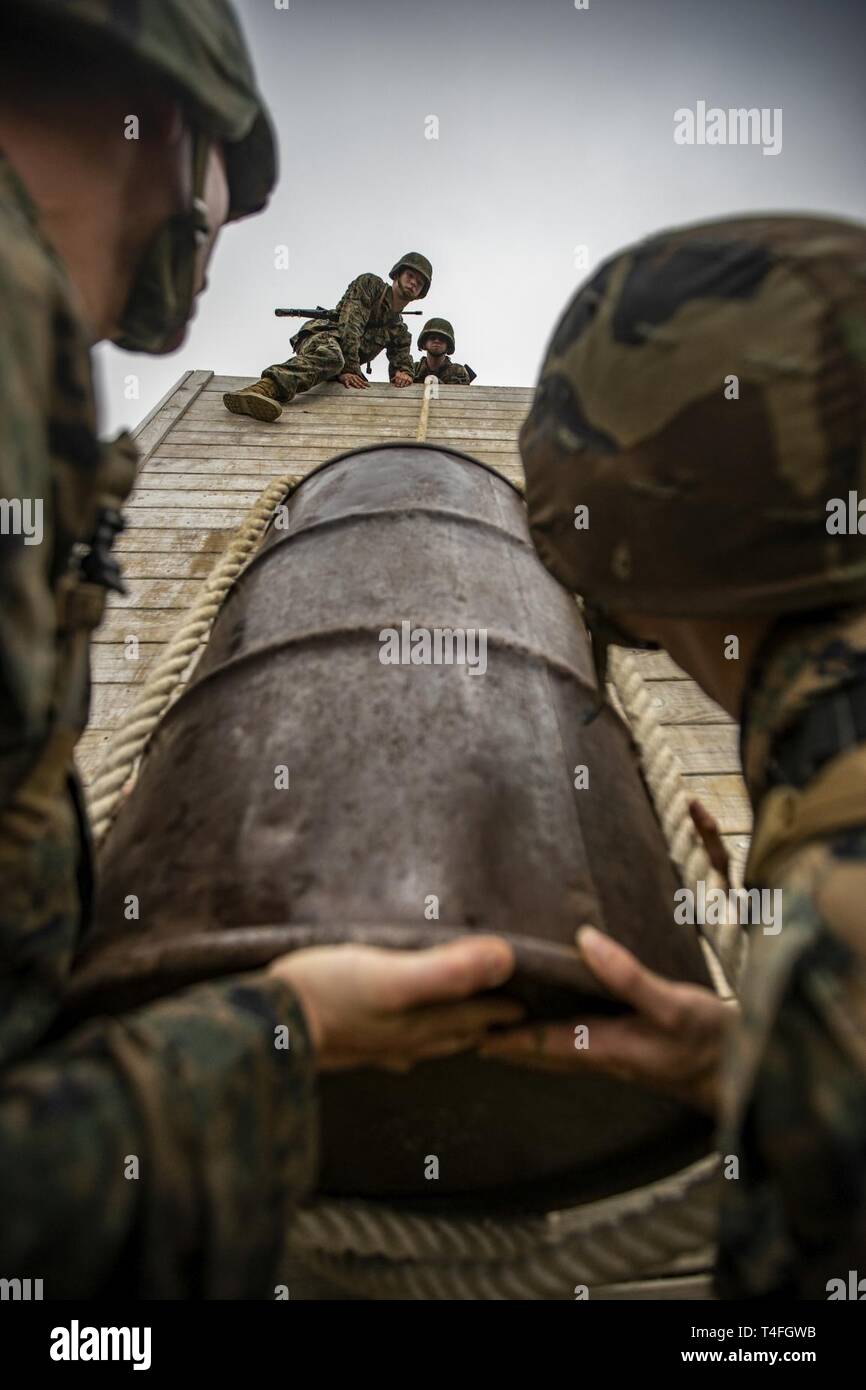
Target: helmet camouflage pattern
198,49
437,328
704,398
413,260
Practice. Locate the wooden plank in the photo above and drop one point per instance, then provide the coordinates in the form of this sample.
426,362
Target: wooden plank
201,484
258,471
706,748
738,849
283,457
90,750
349,405
145,540
683,702
218,384
111,664
223,444
110,705
231,480
183,518
393,421
332,432
657,666
359,408
165,414
725,797
507,467
167,565
148,625
202,500
159,593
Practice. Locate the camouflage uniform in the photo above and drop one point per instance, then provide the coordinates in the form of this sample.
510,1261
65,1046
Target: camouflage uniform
795,1082
221,1121
703,396
365,323
448,372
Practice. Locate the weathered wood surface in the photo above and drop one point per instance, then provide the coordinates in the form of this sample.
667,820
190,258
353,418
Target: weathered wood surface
203,469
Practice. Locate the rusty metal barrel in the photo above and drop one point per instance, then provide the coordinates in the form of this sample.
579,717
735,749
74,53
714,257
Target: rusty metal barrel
383,742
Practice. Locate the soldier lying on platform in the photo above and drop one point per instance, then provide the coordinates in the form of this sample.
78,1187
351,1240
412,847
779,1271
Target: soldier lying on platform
709,518
436,340
366,320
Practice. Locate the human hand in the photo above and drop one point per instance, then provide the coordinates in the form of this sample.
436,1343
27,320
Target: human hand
366,1006
708,828
672,1042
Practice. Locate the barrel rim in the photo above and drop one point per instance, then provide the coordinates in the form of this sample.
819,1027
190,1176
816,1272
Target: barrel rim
407,444
211,954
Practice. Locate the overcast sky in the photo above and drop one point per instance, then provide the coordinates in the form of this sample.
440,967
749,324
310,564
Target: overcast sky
555,132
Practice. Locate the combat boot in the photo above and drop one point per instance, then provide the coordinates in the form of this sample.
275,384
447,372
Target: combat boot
259,400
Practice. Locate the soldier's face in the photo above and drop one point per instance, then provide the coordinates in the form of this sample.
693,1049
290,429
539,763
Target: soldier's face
411,283
216,199
436,345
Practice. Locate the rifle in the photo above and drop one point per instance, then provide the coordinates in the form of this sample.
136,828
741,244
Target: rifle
320,313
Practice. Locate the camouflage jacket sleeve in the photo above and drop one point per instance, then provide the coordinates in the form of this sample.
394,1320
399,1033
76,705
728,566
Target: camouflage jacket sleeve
356,307
457,375
793,1214
158,1154
399,350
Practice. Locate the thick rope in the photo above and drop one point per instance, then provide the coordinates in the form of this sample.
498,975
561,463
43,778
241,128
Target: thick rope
664,774
431,389
167,674
370,1249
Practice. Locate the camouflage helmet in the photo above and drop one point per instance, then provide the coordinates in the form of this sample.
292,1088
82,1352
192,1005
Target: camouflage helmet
413,260
197,48
434,328
701,406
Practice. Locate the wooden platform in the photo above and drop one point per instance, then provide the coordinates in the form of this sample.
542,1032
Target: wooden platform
202,470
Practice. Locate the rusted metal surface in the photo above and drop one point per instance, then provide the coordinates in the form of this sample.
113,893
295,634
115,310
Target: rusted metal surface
408,786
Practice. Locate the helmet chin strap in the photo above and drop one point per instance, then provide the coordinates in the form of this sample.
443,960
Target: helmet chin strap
604,632
161,299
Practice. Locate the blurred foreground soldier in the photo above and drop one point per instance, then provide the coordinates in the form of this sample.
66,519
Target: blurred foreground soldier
367,319
704,396
158,1153
436,341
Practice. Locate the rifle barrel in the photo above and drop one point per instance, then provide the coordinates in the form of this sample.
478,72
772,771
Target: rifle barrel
321,313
